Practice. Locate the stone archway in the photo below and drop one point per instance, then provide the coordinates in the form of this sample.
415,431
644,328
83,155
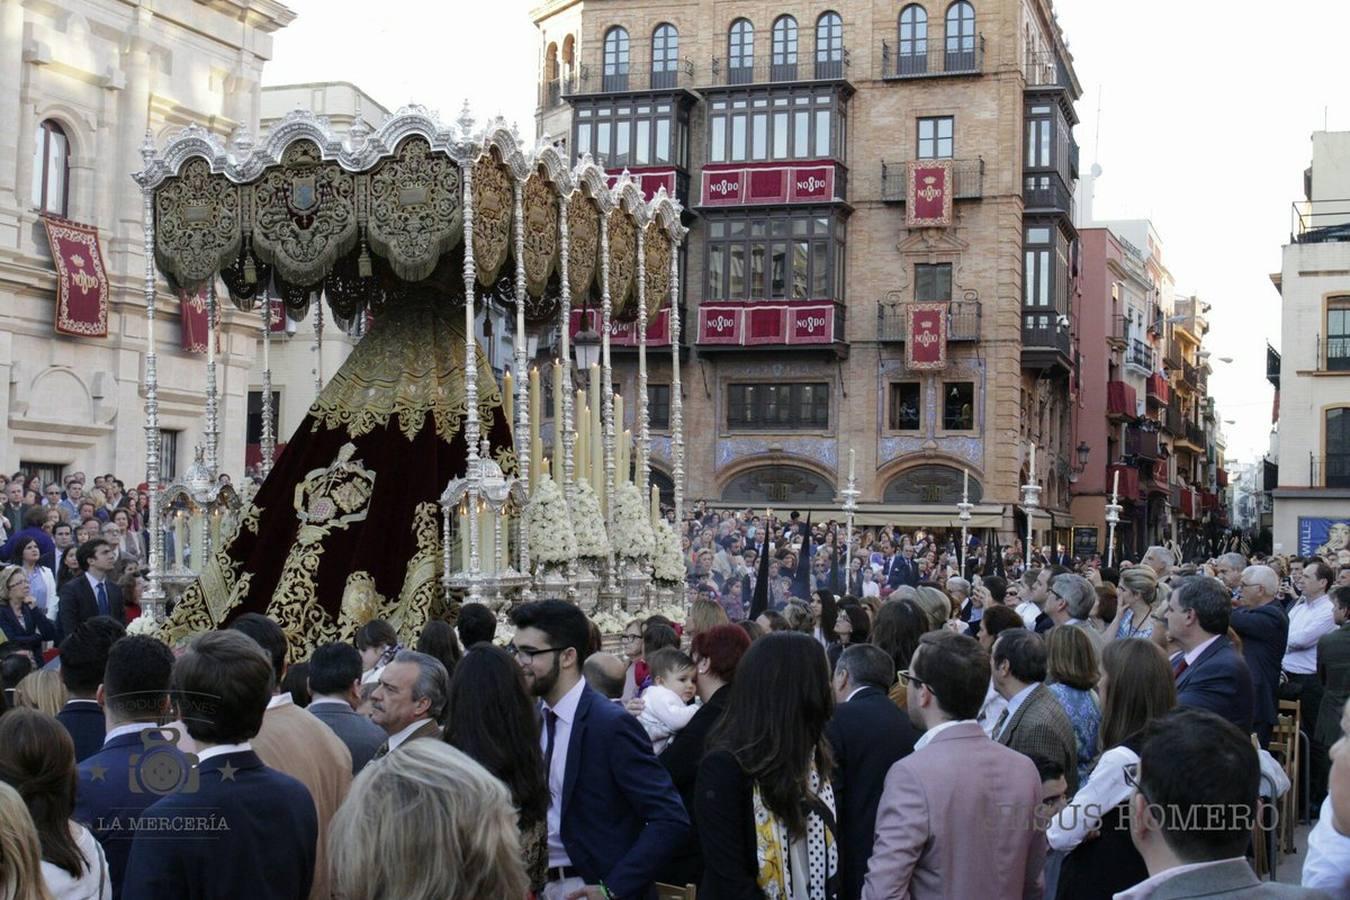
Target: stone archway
778,484
930,483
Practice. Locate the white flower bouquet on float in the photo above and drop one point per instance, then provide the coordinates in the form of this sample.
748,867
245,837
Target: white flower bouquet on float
633,539
592,543
552,542
144,626
668,561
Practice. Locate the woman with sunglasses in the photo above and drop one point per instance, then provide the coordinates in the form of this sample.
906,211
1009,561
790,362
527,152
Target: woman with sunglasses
20,619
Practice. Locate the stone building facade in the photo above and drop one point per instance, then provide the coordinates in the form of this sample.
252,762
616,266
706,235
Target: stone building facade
790,131
80,84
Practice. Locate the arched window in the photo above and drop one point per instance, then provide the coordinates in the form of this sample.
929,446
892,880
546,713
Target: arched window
960,37
741,52
665,55
829,46
1336,469
568,53
913,49
616,60
784,61
552,86
51,168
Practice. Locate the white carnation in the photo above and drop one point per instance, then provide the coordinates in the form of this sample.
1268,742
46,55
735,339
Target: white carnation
143,625
550,525
587,524
633,537
668,563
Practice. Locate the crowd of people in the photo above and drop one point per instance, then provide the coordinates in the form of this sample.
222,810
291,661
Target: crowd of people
1065,731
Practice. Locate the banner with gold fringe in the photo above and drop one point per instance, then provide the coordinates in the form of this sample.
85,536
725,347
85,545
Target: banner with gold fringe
82,290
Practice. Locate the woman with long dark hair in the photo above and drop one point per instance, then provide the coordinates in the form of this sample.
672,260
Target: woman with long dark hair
825,612
899,625
764,806
67,566
1136,687
852,627
490,716
37,759
438,640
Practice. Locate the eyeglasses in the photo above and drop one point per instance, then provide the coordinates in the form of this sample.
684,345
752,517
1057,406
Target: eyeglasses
1131,773
907,678
632,637
527,654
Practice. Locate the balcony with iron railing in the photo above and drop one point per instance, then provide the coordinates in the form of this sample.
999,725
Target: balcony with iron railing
967,180
1188,375
1121,402
932,59
1142,443
1118,330
1174,422
1157,391
1172,357
1319,221
597,78
1195,436
1046,344
1045,70
963,319
1139,356
1330,471
724,71
1046,193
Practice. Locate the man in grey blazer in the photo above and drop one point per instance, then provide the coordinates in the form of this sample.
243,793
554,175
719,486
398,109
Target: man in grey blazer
1195,766
335,683
1034,723
968,830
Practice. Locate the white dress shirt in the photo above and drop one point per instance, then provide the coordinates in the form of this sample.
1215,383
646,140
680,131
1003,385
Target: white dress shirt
1014,703
1308,621
1193,654
566,711
282,699
1327,865
1106,789
221,750
1028,611
402,735
994,705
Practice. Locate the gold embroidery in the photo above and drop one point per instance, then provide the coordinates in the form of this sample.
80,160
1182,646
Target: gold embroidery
410,364
197,229
541,233
493,204
361,602
304,217
622,259
583,245
415,209
421,592
656,265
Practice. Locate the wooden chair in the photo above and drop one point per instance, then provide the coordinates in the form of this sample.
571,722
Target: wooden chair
1265,844
675,892
1285,740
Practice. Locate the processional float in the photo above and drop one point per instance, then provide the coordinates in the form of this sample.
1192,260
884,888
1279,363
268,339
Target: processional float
408,486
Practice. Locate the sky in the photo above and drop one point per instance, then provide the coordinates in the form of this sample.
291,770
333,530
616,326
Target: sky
1206,117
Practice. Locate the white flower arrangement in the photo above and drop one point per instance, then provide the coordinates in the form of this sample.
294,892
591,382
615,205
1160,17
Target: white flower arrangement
552,540
633,538
675,613
611,623
587,525
145,626
668,562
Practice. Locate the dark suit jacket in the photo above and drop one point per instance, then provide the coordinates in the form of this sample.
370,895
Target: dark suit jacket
1220,682
28,630
681,760
902,571
868,734
1040,727
621,816
362,736
1333,665
267,854
1264,632
115,787
78,603
84,720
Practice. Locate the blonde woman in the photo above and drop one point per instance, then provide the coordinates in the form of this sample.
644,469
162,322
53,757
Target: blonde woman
20,850
428,801
704,614
41,690
1136,592
936,605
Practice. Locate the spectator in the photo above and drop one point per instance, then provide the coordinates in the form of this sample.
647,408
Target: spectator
476,623
84,656
1333,669
1070,601
490,717
666,708
95,594
409,700
604,673
37,565
933,834
899,626
1034,724
1192,762
1310,617
1136,687
764,781
68,568
296,683
824,612
20,849
139,761
1071,675
851,626
1327,865
37,759
1211,674
20,619
378,644
705,614
335,685
867,735
438,640
222,686
772,620
295,743
623,827
15,666
992,624
41,690
1262,624
427,802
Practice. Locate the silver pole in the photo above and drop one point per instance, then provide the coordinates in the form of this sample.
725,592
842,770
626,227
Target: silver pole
212,394
269,438
473,473
154,592
676,398
522,428
563,431
318,345
607,393
643,423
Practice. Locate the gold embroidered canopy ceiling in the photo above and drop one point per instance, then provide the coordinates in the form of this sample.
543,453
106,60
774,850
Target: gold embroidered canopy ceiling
360,218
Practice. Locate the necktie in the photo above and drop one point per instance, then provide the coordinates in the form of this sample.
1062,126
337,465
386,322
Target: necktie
102,599
1182,666
550,731
998,726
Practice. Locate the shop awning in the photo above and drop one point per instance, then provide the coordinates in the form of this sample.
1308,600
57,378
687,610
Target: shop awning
988,515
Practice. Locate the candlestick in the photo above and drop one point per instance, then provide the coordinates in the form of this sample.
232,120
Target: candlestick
1115,485
559,392
965,483
1031,477
504,543
597,438
852,463
625,455
509,402
548,467
536,445
581,414
621,473
656,505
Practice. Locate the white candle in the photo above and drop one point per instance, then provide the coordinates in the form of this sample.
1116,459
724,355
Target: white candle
621,470
536,445
581,414
965,483
852,464
656,505
1032,470
558,470
197,527
1115,486
179,539
509,403
463,540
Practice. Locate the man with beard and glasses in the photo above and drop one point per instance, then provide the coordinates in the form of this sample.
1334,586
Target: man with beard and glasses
614,817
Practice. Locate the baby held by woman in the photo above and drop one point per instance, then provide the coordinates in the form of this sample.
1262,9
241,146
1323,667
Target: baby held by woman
666,706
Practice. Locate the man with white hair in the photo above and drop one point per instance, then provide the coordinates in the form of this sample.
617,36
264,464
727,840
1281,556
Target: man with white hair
1070,601
1260,620
1160,560
968,609
1228,568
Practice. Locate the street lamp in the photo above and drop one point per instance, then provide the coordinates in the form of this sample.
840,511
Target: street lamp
586,346
1083,451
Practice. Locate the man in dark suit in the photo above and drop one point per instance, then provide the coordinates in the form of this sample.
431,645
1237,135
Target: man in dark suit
410,699
614,817
84,656
139,761
263,840
868,734
716,653
903,569
93,593
1210,673
335,685
1034,724
14,507
1263,626
1333,670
